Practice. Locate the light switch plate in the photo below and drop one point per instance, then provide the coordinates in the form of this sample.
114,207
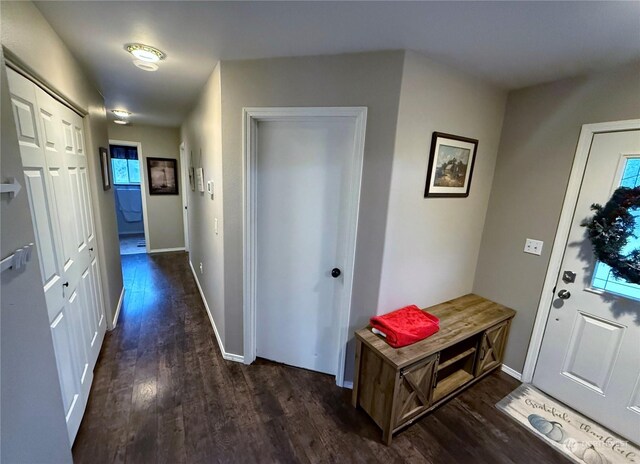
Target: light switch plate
533,246
210,188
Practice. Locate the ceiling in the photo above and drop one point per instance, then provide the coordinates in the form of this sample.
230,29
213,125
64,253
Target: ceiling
512,44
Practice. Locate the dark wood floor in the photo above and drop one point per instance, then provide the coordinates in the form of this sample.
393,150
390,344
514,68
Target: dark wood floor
163,393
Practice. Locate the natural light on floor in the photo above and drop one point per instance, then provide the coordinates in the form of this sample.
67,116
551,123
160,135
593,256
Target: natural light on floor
602,278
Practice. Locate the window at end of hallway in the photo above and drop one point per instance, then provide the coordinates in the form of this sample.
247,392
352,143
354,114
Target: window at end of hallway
125,165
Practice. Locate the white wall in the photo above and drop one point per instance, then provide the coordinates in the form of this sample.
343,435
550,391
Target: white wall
431,244
29,37
164,212
201,134
32,422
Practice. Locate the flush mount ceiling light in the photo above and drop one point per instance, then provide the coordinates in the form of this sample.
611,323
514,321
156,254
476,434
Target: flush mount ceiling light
145,66
121,121
145,52
121,113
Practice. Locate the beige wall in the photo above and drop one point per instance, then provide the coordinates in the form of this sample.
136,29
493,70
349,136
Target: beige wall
26,35
432,244
538,143
164,212
203,142
28,374
363,79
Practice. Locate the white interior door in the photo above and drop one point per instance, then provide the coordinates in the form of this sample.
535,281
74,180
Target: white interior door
302,183
590,354
184,168
54,162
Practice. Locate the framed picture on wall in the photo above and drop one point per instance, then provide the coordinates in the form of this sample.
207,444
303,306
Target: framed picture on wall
192,183
451,163
200,179
163,176
105,167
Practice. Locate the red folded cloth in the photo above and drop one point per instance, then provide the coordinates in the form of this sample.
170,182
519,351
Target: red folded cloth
406,325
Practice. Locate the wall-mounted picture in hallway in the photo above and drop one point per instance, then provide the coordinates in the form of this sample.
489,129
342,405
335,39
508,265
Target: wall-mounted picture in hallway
104,168
163,178
450,165
192,180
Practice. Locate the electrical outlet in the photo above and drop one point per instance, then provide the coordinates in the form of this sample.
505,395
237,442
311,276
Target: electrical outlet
201,269
533,247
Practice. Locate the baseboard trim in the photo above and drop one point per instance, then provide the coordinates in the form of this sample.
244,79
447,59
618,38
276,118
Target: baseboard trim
225,355
166,250
118,308
512,372
347,384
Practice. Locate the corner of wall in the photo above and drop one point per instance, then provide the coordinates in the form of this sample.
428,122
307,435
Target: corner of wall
201,133
436,258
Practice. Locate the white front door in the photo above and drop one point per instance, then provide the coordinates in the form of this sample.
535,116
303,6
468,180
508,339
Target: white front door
51,138
590,354
303,180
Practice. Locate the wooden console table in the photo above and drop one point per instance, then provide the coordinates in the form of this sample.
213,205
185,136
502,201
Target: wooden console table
398,386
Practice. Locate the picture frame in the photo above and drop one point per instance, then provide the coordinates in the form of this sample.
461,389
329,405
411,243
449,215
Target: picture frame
451,162
200,179
105,168
192,181
163,176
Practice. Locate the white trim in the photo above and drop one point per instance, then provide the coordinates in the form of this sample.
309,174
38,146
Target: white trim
225,355
118,308
251,116
143,185
562,234
512,372
18,65
165,250
184,169
347,384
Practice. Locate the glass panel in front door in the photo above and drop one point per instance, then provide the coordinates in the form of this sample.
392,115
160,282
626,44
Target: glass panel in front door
602,277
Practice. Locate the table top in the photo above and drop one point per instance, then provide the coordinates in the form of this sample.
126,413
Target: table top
460,318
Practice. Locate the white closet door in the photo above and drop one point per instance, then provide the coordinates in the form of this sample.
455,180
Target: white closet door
54,161
82,238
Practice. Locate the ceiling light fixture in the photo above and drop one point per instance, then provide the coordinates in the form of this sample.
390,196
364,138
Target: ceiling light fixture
146,66
121,113
145,52
121,121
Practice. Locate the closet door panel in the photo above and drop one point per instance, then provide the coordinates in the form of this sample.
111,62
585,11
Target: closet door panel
53,152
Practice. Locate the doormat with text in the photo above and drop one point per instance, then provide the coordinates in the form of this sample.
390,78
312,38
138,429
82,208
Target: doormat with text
580,439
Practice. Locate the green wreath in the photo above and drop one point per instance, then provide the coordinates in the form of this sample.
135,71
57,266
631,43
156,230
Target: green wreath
609,231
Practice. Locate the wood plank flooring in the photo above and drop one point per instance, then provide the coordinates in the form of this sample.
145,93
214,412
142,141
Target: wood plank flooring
162,393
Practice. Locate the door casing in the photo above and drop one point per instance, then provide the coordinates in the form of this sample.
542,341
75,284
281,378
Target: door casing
562,234
184,169
143,185
251,117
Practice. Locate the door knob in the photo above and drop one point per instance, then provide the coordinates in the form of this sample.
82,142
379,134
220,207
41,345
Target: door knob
564,294
335,272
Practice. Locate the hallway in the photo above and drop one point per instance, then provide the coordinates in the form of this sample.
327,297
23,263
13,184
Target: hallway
132,244
163,393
